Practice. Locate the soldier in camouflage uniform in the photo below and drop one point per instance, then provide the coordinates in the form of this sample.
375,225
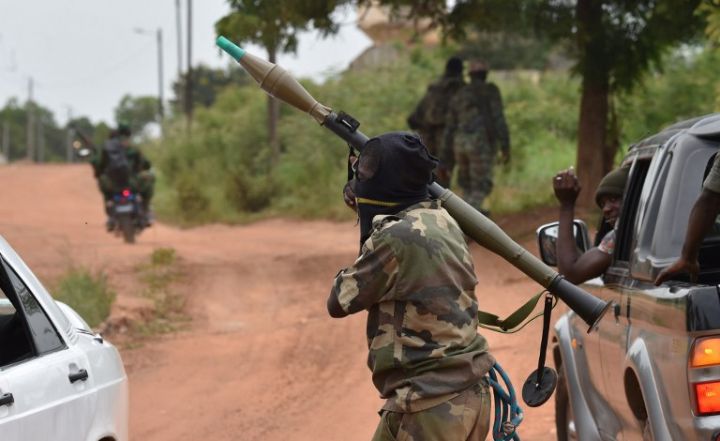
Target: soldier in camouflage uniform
429,116
475,127
415,277
142,178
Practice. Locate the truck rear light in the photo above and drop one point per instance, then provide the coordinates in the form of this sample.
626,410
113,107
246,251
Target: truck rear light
705,352
708,397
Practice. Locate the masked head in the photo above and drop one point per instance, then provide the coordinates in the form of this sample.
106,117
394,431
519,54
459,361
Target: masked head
454,67
478,70
391,174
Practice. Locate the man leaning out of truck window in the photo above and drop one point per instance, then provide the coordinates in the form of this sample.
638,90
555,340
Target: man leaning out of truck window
578,267
702,218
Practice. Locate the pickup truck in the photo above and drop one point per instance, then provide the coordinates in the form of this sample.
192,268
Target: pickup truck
650,370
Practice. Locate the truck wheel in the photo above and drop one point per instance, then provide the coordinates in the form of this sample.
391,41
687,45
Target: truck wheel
564,418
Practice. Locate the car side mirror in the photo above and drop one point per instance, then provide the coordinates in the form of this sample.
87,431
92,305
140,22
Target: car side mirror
547,240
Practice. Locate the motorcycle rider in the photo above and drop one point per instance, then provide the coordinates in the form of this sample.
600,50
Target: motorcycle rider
120,165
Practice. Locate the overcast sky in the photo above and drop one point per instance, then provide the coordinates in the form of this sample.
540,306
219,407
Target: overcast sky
84,55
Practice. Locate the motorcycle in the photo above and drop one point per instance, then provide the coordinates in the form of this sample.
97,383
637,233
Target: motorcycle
127,217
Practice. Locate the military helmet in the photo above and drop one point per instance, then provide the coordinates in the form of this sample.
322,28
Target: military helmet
123,129
478,66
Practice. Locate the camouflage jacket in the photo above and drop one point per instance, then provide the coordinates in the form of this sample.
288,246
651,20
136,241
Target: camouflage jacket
431,111
416,278
476,110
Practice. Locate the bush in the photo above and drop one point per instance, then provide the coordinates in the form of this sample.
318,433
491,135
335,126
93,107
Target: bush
87,293
223,171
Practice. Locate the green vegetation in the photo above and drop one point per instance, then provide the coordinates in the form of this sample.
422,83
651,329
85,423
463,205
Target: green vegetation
87,293
222,171
158,275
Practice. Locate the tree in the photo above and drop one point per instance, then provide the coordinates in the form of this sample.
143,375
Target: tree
207,84
613,43
48,139
274,25
137,111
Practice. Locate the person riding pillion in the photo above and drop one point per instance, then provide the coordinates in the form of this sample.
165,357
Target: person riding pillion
121,165
415,277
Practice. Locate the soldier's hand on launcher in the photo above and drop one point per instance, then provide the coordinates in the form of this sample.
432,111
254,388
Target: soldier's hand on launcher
348,192
349,196
566,186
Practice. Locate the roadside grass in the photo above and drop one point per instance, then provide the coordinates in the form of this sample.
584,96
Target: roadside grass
87,293
159,275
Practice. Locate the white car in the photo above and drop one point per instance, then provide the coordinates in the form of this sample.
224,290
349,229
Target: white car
59,381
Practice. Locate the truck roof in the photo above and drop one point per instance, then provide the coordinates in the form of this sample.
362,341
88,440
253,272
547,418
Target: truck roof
706,126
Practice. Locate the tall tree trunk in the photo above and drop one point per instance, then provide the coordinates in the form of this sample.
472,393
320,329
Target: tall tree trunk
612,143
273,110
593,122
592,133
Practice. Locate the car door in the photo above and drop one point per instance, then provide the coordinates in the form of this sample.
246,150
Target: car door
53,394
620,288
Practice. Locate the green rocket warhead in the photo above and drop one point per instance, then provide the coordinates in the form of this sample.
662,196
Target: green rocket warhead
277,82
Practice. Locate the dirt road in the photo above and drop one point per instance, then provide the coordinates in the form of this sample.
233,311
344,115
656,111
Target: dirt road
260,359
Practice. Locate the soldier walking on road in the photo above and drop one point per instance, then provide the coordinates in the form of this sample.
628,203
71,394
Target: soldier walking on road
474,129
416,279
429,116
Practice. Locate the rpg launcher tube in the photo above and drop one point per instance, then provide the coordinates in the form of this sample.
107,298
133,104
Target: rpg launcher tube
277,82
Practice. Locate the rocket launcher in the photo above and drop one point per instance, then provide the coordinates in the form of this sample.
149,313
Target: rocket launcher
277,82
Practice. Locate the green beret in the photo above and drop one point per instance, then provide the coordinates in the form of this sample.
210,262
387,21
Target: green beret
613,184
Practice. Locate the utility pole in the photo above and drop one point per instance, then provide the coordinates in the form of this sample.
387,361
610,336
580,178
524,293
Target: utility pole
6,140
41,141
189,79
179,38
159,38
69,135
161,112
30,138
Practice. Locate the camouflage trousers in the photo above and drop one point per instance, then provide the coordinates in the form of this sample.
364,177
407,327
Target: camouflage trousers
475,174
463,418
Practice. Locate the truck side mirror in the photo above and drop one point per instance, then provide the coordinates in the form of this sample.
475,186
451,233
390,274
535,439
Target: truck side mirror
547,240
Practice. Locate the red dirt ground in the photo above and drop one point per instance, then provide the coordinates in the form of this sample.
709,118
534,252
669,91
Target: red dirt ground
260,360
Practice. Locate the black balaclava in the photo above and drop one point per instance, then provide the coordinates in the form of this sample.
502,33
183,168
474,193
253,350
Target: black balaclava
478,71
393,173
479,75
454,67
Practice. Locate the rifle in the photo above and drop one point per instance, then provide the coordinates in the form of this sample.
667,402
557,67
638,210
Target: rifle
89,146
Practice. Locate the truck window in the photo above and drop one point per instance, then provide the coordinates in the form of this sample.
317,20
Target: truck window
628,215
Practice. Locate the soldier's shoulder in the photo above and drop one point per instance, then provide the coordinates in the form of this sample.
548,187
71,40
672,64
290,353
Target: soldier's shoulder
492,87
